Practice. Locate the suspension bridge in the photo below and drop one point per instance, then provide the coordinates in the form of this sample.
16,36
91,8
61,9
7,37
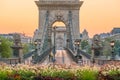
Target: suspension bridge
51,40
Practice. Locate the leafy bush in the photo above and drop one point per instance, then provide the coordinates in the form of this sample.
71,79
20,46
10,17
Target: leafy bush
87,74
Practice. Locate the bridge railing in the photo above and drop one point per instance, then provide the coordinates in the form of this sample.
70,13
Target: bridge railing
71,54
87,55
17,59
42,57
27,55
10,60
102,62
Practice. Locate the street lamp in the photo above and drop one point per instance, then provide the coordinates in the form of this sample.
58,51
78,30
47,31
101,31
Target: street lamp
67,43
39,42
54,49
35,43
93,56
77,43
112,43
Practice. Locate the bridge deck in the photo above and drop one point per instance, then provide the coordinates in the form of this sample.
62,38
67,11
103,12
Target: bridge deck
61,57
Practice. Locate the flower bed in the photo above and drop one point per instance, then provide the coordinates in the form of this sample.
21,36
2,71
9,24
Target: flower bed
110,71
60,72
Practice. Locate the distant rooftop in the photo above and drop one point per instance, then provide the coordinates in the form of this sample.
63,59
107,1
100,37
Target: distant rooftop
115,30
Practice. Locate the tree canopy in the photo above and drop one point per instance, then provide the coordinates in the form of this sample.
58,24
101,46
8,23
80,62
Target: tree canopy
5,48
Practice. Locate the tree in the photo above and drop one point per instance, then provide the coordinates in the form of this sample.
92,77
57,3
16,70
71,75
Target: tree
28,47
108,39
106,48
25,48
89,50
5,48
84,44
117,47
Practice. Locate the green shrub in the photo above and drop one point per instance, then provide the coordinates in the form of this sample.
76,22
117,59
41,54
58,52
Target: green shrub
86,74
3,75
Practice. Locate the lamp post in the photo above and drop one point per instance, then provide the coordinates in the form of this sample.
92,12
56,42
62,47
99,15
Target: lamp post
35,43
93,56
54,49
49,40
34,56
77,44
112,43
39,42
67,43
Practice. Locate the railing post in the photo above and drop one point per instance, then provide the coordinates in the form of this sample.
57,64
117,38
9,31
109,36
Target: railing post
10,61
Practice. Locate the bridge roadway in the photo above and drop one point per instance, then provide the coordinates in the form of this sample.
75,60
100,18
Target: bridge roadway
61,57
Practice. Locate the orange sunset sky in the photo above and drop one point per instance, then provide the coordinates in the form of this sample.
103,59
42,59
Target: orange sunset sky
96,16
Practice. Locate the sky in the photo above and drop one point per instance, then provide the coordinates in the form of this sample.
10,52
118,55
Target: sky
96,16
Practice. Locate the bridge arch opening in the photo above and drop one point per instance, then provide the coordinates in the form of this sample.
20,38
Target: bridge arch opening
59,34
58,24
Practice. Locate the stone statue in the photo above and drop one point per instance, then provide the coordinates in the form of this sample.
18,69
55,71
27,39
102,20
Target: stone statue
17,39
17,47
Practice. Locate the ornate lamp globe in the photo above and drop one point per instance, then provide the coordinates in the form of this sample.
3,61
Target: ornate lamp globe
35,42
112,43
77,42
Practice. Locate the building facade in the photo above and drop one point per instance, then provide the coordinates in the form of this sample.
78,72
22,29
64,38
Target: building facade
24,38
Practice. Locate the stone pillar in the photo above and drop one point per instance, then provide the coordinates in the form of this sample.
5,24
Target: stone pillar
17,47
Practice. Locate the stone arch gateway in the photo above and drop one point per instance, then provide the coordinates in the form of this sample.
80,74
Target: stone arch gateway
51,11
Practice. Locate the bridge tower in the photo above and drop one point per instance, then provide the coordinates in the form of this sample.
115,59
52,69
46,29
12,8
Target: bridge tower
50,11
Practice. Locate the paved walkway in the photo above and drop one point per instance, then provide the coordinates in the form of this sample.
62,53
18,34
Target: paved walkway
61,57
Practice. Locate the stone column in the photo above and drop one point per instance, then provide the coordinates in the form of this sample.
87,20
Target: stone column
17,48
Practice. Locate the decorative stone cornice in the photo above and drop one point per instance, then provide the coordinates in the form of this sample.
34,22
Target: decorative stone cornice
59,4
